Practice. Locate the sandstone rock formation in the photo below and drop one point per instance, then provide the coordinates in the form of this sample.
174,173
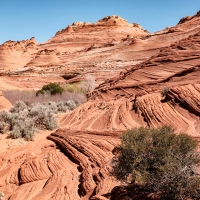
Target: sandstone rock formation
15,55
45,57
134,97
102,49
73,165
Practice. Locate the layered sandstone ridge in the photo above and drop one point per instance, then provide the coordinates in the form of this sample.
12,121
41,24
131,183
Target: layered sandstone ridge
105,48
134,98
73,165
102,49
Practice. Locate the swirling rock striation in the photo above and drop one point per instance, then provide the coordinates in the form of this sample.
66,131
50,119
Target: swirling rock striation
134,97
73,165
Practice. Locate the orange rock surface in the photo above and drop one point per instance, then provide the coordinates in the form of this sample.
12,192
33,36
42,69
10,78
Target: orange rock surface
70,165
4,103
134,97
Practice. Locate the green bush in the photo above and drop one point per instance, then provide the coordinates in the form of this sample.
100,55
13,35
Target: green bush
42,92
52,88
160,161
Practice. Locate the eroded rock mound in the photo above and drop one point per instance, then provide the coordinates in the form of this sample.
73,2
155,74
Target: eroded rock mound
73,165
113,20
15,55
46,57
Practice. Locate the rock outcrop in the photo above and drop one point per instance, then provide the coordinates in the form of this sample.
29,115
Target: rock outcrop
134,97
102,49
71,165
45,58
15,55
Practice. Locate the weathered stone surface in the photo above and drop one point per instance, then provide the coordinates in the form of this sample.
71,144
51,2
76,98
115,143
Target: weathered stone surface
4,103
134,97
73,165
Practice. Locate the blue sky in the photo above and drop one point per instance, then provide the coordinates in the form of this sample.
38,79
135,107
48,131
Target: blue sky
23,19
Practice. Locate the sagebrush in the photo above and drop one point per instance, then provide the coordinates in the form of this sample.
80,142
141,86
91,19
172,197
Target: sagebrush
22,120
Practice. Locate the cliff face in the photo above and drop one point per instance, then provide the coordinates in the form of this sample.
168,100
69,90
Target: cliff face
155,81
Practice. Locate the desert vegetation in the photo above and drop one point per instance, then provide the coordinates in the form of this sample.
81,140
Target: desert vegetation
164,91
88,84
160,161
53,92
84,86
1,196
23,120
51,88
73,87
29,96
36,109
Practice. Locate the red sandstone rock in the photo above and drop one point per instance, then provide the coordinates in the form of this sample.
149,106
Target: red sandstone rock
133,98
75,165
4,103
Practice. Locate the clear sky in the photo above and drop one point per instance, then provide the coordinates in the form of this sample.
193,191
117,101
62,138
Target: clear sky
23,19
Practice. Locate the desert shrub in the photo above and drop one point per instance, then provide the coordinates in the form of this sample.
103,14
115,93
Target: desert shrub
160,161
19,106
88,84
51,106
62,107
65,106
49,120
1,195
2,126
15,133
42,92
23,120
164,91
23,128
43,116
73,87
52,88
71,104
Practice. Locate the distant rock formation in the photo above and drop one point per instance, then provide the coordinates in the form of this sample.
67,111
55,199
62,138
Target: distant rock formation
14,55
